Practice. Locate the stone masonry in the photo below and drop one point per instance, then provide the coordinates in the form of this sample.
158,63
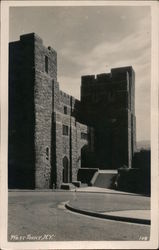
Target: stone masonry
52,134
107,104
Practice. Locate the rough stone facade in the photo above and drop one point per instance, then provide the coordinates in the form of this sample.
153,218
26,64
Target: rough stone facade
107,104
52,134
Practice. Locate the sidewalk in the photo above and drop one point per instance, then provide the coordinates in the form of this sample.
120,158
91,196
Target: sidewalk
112,204
102,190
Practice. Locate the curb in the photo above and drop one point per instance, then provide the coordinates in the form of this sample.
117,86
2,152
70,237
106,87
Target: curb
74,190
109,217
102,192
40,190
118,192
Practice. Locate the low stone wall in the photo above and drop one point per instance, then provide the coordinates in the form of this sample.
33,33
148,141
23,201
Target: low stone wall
85,174
133,180
104,180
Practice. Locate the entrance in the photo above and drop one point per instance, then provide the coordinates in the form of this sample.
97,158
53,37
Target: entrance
65,170
84,156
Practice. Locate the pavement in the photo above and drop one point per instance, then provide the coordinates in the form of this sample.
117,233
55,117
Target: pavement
135,211
42,216
132,207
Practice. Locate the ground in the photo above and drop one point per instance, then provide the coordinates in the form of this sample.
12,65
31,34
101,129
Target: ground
42,216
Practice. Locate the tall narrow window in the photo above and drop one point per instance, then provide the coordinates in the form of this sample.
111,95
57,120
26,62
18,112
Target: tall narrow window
65,110
65,130
84,136
47,153
46,64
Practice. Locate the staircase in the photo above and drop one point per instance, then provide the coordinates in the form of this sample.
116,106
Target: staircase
104,178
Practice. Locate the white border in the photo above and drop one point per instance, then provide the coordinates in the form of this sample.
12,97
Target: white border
153,243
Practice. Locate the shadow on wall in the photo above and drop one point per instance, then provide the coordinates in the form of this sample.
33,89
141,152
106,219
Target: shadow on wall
87,158
19,177
85,175
138,178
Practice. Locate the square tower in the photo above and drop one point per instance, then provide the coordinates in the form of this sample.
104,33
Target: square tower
107,102
32,70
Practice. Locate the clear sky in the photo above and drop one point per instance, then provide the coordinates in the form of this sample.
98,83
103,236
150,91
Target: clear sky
92,40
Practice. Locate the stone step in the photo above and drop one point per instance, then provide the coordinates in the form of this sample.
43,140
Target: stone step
104,179
67,186
108,171
84,185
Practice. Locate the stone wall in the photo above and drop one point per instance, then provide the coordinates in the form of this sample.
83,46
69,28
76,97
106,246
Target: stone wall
30,119
21,114
85,175
45,75
51,131
107,104
67,146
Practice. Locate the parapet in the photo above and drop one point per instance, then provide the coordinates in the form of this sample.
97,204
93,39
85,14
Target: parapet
52,50
63,94
103,77
122,72
88,79
34,36
100,78
117,74
31,36
65,98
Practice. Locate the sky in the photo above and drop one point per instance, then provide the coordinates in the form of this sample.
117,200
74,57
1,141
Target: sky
92,40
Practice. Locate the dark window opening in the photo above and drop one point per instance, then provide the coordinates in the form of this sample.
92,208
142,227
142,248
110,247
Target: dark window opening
65,130
111,96
65,110
46,64
47,153
84,136
65,170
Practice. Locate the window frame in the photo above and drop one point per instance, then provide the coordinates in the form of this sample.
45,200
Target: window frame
65,129
84,136
65,110
47,153
46,64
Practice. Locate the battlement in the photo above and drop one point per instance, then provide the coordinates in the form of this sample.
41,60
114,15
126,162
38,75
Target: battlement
29,36
63,94
65,98
56,134
103,77
118,73
115,74
89,79
35,37
68,99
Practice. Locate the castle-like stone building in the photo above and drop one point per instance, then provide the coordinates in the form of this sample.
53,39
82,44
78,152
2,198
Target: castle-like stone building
51,134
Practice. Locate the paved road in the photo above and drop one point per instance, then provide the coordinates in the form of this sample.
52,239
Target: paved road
42,214
111,202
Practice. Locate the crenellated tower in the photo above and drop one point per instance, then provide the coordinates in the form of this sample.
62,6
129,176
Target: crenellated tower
107,102
52,134
32,71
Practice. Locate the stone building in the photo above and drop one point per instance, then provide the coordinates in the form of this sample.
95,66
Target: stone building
52,134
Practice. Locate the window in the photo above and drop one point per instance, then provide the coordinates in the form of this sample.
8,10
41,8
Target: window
65,110
47,153
111,96
65,130
84,136
46,64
